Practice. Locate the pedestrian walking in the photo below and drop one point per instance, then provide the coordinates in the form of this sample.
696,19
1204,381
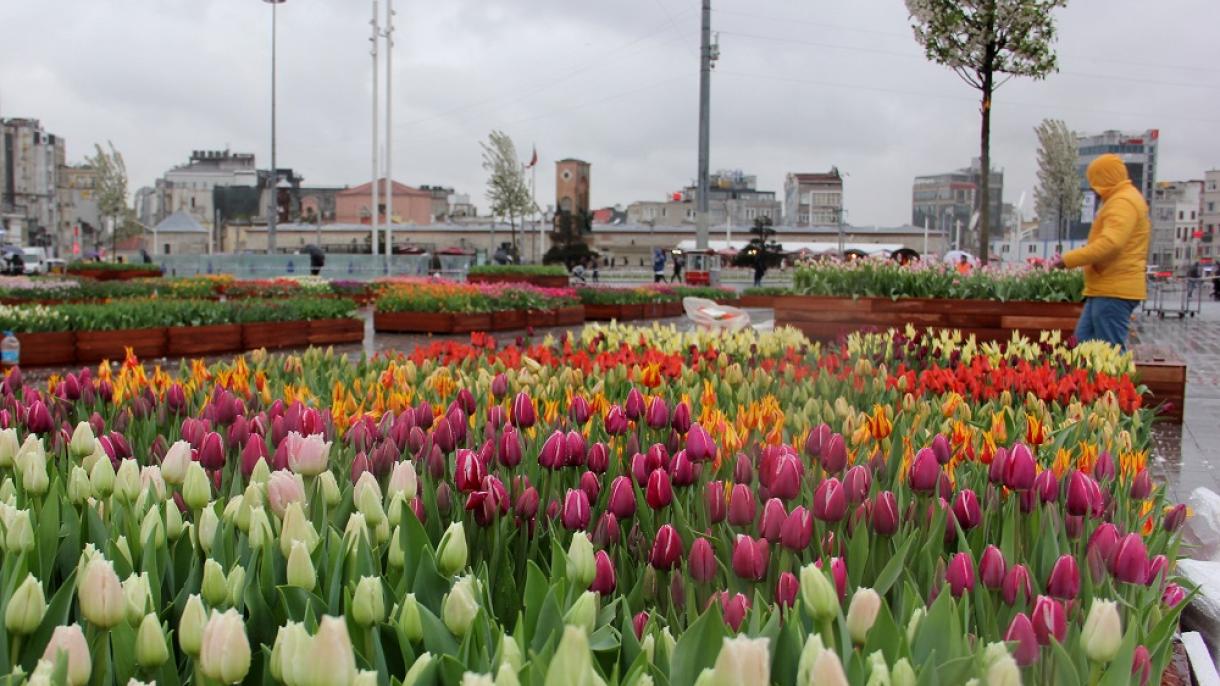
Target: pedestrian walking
679,263
658,265
760,267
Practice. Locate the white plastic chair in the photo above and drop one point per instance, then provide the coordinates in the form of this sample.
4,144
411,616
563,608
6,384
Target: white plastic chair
707,314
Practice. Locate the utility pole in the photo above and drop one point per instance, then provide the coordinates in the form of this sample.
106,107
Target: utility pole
273,211
708,54
389,133
374,209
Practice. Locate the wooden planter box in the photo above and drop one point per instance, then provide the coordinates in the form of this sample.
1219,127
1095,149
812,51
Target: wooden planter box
756,301
334,331
630,312
673,308
508,320
654,310
1161,372
570,316
115,274
542,319
413,322
534,280
53,348
828,318
470,322
272,335
185,341
603,313
95,346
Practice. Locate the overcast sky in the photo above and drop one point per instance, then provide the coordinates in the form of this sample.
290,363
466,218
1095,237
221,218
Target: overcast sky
800,86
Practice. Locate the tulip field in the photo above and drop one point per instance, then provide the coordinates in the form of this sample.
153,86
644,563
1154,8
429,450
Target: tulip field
618,506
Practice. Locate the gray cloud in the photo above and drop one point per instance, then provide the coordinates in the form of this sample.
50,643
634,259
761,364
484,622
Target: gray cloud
800,86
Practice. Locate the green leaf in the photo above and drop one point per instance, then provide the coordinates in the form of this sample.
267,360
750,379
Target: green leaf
437,639
697,648
894,568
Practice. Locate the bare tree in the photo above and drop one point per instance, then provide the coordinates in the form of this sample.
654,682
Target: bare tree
506,188
979,39
111,191
1058,194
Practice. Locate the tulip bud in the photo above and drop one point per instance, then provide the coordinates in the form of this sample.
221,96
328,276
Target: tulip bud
176,462
300,568
8,447
743,660
225,653
924,472
368,602
403,480
459,607
797,530
137,597
809,656
452,553
409,620
583,612
1141,665
750,558
1049,619
71,641
862,613
1021,631
420,667
1130,563
101,594
1004,672
127,481
214,587
20,535
829,501
834,454
34,477
1019,468
573,662
992,568
717,508
885,514
297,528
960,574
329,488
666,548
196,491
25,608
741,506
828,670
966,509
902,674
818,593
1103,631
1174,518
581,568
79,488
1141,485
772,521
151,650
1064,582
101,477
576,511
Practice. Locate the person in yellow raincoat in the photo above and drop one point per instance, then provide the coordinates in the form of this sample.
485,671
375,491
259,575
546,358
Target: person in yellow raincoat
1115,258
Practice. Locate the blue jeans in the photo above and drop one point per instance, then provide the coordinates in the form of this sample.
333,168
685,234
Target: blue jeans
1106,319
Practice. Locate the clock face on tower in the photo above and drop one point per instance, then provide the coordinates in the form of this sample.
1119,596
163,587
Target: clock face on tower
566,175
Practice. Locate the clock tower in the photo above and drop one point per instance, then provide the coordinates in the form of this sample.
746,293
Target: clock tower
572,186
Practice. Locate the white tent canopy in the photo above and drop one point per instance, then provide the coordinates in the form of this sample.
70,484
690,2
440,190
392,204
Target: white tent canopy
797,246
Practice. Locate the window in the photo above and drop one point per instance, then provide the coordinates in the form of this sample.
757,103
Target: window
1211,207
1004,248
650,212
1192,214
1181,214
751,213
167,248
690,214
1033,249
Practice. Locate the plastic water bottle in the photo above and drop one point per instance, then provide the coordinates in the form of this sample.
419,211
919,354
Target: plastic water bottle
10,351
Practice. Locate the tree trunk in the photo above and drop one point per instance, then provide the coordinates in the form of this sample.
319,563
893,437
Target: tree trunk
512,226
985,171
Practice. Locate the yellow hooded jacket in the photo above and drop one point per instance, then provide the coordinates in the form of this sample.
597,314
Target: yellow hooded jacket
1116,257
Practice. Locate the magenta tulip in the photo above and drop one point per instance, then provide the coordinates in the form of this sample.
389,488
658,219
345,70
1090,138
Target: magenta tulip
741,506
1141,665
1047,486
1078,502
699,445
657,415
1104,542
786,589
702,562
966,509
615,421
38,418
960,574
638,623
1064,582
992,568
838,571
834,454
829,501
1017,581
634,406
1021,632
590,484
924,472
797,530
659,493
682,471
772,522
750,558
1174,518
574,449
995,471
857,483
666,548
576,510
1049,619
941,449
816,439
553,451
717,508
469,471
734,607
603,580
680,421
254,450
606,532
885,514
579,410
622,498
499,386
1103,469
1157,566
599,458
785,479
1130,563
1141,485
1020,468
1173,595
443,436
523,415
212,451
743,470
527,503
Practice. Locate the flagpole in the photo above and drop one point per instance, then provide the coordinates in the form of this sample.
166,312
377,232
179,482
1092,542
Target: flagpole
534,199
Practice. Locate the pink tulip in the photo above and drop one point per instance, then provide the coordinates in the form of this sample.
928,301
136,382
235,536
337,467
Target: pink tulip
885,514
1021,632
734,607
634,406
1130,564
699,445
307,455
1049,619
1103,542
622,498
1047,486
941,449
682,471
829,501
1064,582
638,623
1141,485
713,496
816,439
838,571
603,581
1017,581
175,399
553,451
1141,665
1103,469
254,450
1157,566
590,485
1079,502
1020,468
1174,518
924,472
527,503
659,493
681,421
786,589
442,435
469,472
666,548
750,558
785,480
772,521
212,451
797,530
966,509
741,506
992,568
960,574
579,411
702,561
523,415
599,458
576,510
743,470
284,488
657,415
574,449
857,483
499,386
1173,595
995,471
834,454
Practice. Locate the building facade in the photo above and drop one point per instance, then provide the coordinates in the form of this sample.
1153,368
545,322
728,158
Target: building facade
1210,210
948,202
411,205
733,198
1177,225
79,217
1138,152
190,187
813,199
30,159
572,179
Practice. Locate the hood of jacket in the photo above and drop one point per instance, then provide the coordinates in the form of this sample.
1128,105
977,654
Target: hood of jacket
1107,175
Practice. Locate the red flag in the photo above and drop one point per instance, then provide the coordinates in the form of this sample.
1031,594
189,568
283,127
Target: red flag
534,158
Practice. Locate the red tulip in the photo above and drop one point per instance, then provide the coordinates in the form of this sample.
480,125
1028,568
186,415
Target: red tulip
699,445
834,454
1049,619
1141,485
1079,502
772,521
599,458
576,510
797,531
606,531
1019,469
211,451
666,548
603,580
1130,564
553,451
829,501
469,471
657,415
702,562
1017,580
741,506
734,607
1064,582
1047,486
717,508
682,471
785,477
924,472
1174,518
579,410
786,589
960,574
857,483
1021,632
523,411
659,493
992,568
966,509
1173,595
1141,664
1157,567
634,406
750,557
885,514
622,498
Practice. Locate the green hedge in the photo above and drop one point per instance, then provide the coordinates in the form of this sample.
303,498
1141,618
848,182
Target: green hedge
156,313
517,270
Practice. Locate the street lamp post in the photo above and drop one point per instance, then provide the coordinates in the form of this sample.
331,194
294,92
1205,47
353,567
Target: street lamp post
273,208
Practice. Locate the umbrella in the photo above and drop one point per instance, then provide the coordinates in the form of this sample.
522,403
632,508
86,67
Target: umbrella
955,256
314,251
904,255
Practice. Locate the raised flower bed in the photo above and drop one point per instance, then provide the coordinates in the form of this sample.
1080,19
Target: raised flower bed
45,334
748,508
437,307
112,271
544,276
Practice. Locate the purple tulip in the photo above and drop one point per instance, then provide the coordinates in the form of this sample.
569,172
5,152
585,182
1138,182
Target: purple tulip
995,471
797,531
657,415
751,557
681,421
1141,485
924,472
634,405
702,561
1174,518
575,510
1021,632
829,501
682,471
1064,582
699,445
212,451
527,504
38,418
885,514
960,574
1078,502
